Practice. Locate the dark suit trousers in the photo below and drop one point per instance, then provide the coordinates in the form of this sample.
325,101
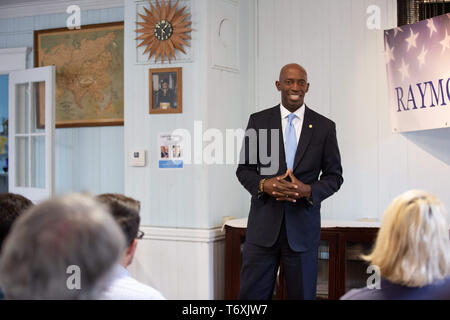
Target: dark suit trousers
260,266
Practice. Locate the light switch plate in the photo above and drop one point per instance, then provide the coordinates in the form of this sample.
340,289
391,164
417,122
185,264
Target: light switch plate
137,158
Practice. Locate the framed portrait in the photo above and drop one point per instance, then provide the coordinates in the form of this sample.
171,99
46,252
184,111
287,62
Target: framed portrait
165,90
89,79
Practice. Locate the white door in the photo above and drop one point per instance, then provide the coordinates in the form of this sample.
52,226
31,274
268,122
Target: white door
31,130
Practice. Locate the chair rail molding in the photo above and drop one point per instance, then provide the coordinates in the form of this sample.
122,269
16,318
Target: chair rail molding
183,234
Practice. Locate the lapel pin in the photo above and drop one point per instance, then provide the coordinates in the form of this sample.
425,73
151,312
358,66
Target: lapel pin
310,126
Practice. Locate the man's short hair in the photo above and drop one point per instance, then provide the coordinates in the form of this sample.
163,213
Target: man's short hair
11,206
125,211
74,232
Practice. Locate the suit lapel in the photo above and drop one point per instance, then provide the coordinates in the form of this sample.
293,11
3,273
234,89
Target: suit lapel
305,137
275,123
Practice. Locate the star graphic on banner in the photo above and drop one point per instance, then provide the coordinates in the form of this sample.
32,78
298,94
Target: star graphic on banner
430,25
421,57
397,30
404,70
446,42
389,53
412,40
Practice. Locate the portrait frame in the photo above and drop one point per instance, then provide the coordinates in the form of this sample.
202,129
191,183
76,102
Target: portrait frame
165,90
115,117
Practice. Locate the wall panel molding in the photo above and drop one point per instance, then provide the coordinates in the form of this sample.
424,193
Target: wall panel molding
225,34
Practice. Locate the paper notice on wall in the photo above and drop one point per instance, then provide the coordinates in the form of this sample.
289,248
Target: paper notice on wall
170,151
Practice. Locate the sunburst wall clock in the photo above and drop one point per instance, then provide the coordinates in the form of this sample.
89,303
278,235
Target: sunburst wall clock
165,29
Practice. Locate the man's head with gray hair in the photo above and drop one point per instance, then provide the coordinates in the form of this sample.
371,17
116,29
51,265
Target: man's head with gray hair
46,242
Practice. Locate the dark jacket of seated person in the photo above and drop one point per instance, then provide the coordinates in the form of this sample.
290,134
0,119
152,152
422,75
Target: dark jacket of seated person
440,290
411,256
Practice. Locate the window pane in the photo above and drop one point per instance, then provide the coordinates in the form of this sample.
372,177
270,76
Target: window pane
38,162
356,268
38,107
21,159
4,81
324,270
411,11
22,108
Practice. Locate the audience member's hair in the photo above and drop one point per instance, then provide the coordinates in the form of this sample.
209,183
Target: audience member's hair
125,211
74,230
11,206
413,246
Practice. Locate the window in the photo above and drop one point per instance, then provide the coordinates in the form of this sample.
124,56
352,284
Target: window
31,129
411,11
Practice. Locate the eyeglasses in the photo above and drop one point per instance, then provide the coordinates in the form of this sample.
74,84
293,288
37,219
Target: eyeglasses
140,235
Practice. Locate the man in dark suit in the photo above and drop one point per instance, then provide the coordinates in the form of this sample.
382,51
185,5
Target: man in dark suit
284,219
165,96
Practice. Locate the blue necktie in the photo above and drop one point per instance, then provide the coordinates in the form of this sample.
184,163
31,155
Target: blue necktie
291,142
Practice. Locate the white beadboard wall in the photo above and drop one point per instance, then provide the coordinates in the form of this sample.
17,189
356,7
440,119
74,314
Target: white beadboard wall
86,159
183,254
347,72
169,198
197,196
183,264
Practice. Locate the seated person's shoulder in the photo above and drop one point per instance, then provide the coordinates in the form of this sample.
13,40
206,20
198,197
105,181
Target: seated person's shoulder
125,287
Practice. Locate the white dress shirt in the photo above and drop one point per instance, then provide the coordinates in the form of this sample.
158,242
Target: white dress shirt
123,287
297,122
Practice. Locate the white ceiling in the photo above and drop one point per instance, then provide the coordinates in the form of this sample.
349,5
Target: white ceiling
24,8
14,2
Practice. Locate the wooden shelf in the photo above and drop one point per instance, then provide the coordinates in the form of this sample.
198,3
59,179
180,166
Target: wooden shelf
337,238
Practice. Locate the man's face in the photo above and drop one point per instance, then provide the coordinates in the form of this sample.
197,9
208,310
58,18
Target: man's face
293,85
165,85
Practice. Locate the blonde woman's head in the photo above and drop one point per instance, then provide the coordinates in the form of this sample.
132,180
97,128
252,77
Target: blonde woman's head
413,246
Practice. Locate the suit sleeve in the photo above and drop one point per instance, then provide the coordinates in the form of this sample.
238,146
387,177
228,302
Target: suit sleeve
248,169
331,178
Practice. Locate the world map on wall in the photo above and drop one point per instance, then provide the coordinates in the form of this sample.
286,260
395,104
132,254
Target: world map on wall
89,74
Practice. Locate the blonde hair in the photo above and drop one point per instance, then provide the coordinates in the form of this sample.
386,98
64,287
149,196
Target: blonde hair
413,245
